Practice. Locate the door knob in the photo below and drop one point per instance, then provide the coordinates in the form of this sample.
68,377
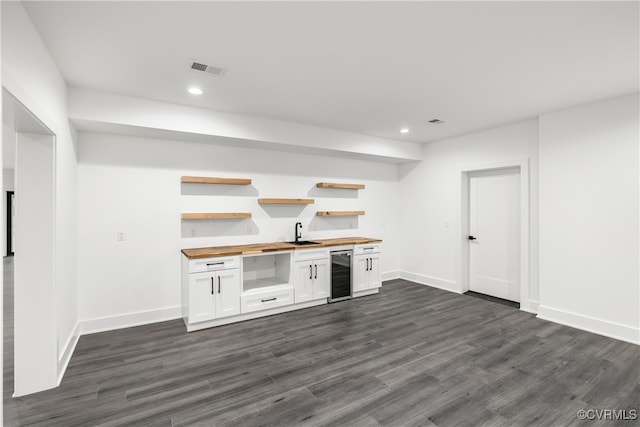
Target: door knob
472,238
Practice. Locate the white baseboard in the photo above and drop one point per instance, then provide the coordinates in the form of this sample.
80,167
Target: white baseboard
102,324
444,284
69,348
590,324
390,275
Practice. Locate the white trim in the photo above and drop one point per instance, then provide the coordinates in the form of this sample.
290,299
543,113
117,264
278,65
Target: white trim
253,315
391,275
366,292
590,324
434,282
462,245
65,357
102,324
533,307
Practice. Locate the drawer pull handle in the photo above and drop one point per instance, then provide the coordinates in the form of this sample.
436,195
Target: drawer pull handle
218,284
269,299
310,272
212,286
215,263
316,276
367,249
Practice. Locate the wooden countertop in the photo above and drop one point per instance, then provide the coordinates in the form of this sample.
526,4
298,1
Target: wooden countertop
259,248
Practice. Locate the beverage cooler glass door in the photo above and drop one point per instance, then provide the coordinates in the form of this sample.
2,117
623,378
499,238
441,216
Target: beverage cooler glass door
340,275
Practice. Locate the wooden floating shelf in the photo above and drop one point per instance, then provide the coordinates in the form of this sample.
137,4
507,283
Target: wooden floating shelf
216,215
286,201
339,185
212,180
339,213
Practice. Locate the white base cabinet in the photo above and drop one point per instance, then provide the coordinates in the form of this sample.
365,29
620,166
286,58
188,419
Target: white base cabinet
228,289
213,293
311,275
366,267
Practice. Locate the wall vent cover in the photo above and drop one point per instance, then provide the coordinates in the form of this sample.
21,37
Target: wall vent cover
201,66
436,121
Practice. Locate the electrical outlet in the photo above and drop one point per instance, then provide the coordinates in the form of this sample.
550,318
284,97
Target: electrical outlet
194,232
249,229
122,236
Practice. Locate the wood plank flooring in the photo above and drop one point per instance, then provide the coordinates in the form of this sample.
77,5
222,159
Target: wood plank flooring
410,356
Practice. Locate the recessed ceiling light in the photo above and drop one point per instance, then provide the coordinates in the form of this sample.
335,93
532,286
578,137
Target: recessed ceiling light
404,130
195,91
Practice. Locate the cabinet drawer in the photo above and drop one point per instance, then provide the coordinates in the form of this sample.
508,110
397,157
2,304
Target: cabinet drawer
366,249
267,299
212,264
310,254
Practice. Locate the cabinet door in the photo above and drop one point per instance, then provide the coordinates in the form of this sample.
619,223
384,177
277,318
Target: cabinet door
374,272
321,278
227,288
303,281
360,273
201,297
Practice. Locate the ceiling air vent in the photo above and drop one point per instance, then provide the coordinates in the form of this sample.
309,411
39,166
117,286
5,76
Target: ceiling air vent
206,68
436,121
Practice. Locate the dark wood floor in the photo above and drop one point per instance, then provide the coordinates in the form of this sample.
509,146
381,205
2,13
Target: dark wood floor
410,356
7,333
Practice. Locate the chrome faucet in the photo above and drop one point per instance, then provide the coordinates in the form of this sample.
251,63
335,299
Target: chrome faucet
298,232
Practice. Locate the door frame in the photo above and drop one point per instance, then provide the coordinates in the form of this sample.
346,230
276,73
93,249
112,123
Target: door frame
463,242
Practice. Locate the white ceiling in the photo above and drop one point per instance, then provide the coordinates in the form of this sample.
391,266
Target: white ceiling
365,67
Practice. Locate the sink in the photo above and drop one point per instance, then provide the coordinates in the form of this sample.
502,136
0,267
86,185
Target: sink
304,243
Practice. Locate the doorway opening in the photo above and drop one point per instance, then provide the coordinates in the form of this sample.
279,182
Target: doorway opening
494,238
10,221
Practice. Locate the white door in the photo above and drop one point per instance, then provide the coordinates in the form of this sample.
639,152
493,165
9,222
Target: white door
321,278
303,281
360,273
202,297
374,272
494,233
228,293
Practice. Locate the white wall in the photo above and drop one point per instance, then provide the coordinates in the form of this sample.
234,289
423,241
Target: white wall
7,185
133,184
589,220
431,201
35,364
30,75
